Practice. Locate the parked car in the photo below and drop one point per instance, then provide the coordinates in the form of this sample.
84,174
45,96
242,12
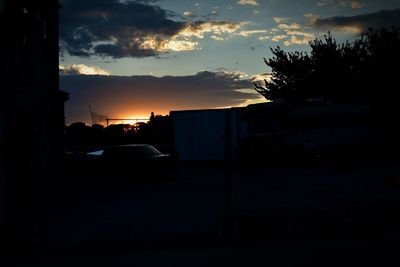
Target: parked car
133,160
77,159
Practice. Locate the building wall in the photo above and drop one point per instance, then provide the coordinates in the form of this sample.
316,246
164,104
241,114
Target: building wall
31,105
2,123
2,173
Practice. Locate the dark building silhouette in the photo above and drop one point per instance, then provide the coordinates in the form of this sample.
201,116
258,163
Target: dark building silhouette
31,110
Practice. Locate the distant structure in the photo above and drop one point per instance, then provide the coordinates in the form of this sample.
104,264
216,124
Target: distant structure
104,120
31,111
124,121
97,118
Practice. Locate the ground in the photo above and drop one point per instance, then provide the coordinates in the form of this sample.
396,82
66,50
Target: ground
285,216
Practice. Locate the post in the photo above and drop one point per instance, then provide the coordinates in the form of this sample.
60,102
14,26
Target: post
229,219
91,114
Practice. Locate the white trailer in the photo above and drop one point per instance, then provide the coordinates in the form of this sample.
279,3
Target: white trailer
210,134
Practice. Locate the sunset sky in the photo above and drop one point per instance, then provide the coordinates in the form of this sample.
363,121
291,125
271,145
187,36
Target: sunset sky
127,58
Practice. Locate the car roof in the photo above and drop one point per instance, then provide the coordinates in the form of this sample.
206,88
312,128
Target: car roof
132,145
127,146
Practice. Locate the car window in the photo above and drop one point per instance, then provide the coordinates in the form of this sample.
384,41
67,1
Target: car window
131,152
152,151
142,151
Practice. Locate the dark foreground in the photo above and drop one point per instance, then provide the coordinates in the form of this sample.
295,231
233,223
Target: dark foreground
320,215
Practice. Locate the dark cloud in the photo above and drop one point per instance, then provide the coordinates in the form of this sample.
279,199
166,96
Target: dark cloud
361,23
76,69
121,95
113,28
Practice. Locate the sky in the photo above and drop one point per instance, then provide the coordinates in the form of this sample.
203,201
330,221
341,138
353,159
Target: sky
128,58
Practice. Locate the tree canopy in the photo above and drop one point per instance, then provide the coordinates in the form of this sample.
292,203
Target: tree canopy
362,70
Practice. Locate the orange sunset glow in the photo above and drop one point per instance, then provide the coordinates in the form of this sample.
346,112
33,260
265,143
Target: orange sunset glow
135,97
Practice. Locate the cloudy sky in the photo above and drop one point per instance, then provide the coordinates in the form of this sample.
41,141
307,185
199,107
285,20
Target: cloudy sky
126,58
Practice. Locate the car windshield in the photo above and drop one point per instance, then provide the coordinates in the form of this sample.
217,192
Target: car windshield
96,153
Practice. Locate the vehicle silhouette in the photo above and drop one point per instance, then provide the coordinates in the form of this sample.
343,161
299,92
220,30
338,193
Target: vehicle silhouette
131,162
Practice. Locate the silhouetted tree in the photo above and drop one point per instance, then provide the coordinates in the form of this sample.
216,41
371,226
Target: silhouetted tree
97,135
77,134
289,71
157,131
382,66
117,133
335,69
330,71
151,117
